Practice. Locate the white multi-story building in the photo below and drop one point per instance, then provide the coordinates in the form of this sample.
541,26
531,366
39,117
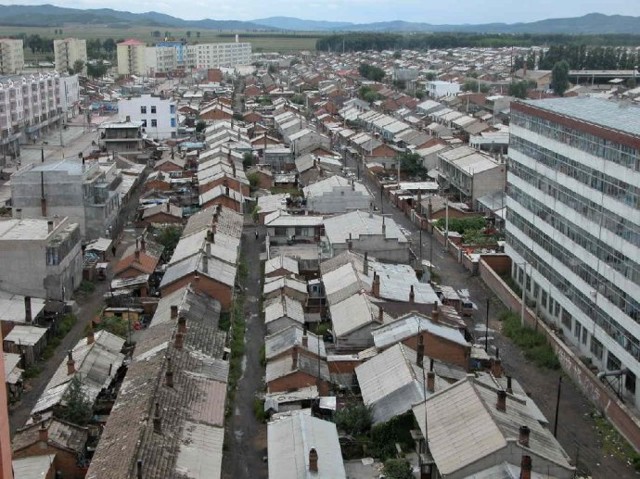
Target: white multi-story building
131,57
67,52
158,116
215,55
29,104
573,224
11,56
439,88
69,95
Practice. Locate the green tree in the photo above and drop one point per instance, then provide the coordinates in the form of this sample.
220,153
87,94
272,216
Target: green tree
168,237
354,419
76,405
97,69
371,72
519,89
397,55
78,66
247,160
397,469
197,34
188,33
109,46
560,77
201,126
411,165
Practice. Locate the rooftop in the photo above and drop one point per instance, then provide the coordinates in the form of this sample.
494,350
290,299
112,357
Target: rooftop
356,223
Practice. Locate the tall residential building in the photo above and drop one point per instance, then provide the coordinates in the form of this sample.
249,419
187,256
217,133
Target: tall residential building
158,116
29,105
11,56
573,224
131,57
214,55
67,52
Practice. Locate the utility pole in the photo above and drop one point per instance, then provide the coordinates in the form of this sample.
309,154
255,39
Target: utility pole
524,290
486,330
381,202
555,423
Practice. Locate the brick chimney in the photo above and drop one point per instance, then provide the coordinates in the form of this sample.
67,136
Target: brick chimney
523,437
365,264
384,227
501,404
509,388
205,263
137,255
182,325
139,469
431,381
412,295
294,358
179,340
313,460
91,338
157,419
174,311
435,313
27,310
168,207
380,315
375,287
496,368
168,376
420,351
43,433
525,467
71,364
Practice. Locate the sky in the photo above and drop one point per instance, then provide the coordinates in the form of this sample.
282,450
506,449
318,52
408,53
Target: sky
365,11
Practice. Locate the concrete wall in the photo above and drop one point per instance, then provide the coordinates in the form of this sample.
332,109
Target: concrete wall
385,250
6,470
489,181
165,115
624,420
340,200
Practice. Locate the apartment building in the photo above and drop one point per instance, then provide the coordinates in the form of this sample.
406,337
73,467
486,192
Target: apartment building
29,104
131,57
86,193
439,88
166,57
573,225
11,56
67,52
215,55
40,257
158,116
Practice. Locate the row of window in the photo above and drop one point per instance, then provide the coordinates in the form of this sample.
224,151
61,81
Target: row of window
599,181
143,110
612,292
594,145
588,307
600,249
595,212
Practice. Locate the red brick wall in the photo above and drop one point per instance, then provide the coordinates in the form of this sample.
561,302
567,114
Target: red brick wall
343,367
297,380
65,461
620,416
224,201
439,348
232,183
216,290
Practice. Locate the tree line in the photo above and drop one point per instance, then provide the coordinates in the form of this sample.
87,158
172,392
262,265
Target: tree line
355,42
581,57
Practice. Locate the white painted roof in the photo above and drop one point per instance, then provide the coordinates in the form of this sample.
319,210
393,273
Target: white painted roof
356,223
409,325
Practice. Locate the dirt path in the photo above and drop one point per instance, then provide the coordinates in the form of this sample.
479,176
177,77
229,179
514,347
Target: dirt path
576,428
247,437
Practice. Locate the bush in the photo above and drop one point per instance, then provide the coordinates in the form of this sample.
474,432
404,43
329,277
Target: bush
397,469
258,410
385,436
533,344
32,371
354,419
87,287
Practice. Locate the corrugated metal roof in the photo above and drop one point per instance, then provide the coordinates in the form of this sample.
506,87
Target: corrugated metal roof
200,452
280,282
12,307
281,262
291,438
409,325
215,268
356,223
328,185
25,335
287,338
354,313
343,282
281,307
33,467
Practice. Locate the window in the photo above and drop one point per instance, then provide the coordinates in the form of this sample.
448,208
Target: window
172,109
154,123
543,299
567,320
585,335
613,363
596,348
173,122
153,109
536,290
577,330
143,110
144,123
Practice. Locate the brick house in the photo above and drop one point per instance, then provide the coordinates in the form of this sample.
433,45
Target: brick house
296,371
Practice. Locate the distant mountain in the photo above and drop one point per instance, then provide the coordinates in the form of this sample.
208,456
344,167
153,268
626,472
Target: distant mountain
290,23
50,15
593,23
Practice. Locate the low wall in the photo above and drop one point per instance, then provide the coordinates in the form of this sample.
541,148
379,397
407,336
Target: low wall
595,391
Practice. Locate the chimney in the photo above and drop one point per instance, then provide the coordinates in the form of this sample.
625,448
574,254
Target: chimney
313,460
49,226
509,388
349,244
412,295
353,185
420,352
525,467
294,358
233,168
168,206
127,118
205,263
179,341
174,311
139,469
496,368
43,433
19,213
157,419
168,377
375,287
91,337
380,315
226,190
365,264
435,313
137,255
210,236
431,381
305,340
71,364
384,227
523,437
501,405
43,206
27,310
182,325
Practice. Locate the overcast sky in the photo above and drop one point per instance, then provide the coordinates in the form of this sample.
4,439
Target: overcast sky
365,11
